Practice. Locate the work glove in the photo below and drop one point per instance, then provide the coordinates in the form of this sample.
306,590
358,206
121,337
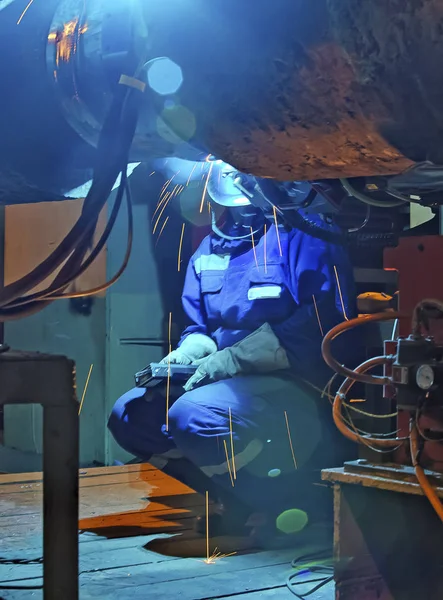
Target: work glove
260,352
194,347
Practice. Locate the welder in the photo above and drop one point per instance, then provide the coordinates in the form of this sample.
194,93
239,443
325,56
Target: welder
250,426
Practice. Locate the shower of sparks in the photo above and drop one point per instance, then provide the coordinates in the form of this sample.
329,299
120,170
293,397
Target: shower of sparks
190,175
170,180
234,470
265,249
215,556
85,389
277,230
207,527
161,230
160,215
253,247
151,174
206,187
25,11
160,204
318,316
168,382
341,295
180,247
290,441
228,463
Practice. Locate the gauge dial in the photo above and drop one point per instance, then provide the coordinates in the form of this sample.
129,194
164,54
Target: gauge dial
425,377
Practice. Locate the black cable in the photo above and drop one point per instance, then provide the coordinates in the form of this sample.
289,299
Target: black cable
125,113
308,564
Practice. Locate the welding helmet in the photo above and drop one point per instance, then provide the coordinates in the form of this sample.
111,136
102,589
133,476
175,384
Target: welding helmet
231,189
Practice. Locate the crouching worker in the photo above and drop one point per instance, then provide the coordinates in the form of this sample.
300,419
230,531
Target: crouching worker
250,426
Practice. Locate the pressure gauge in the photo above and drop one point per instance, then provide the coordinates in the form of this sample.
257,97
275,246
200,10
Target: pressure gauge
425,377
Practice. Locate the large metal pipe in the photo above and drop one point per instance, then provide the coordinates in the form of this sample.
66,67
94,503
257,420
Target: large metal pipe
297,89
290,89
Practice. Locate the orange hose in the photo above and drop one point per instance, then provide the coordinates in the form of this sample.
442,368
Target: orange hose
346,326
338,402
422,479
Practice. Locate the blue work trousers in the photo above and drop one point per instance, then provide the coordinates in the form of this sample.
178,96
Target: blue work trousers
282,435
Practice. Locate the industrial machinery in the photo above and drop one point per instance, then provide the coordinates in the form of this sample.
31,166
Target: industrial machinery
339,112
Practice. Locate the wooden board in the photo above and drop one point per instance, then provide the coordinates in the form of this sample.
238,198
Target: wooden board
136,527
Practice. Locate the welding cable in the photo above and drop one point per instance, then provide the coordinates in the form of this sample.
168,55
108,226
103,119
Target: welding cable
96,197
422,479
370,201
53,292
346,326
114,143
340,397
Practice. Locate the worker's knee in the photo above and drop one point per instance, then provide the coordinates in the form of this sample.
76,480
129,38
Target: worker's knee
122,418
189,419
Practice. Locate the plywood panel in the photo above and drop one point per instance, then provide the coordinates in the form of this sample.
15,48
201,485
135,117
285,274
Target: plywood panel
33,231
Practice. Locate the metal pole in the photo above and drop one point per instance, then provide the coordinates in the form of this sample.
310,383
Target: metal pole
2,263
60,488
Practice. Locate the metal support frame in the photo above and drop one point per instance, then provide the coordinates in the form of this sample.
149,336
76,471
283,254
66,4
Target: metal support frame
33,378
387,537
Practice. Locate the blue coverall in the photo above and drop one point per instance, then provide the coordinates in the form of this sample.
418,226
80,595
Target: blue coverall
312,290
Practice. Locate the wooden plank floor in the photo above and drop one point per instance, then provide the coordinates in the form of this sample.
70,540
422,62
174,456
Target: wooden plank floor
136,541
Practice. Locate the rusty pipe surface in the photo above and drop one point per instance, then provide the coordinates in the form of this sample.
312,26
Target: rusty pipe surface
297,89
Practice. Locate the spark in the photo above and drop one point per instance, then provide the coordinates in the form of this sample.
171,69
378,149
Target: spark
190,174
168,382
170,180
25,11
160,216
265,245
180,247
151,174
234,470
85,389
318,316
228,463
215,556
358,400
290,440
161,230
166,198
207,526
277,230
253,247
341,295
206,187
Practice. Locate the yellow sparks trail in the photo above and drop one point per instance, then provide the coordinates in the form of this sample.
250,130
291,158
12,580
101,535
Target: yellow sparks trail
180,247
290,440
190,175
253,247
318,316
160,215
277,230
24,12
341,296
228,463
85,389
168,382
234,470
161,230
206,187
